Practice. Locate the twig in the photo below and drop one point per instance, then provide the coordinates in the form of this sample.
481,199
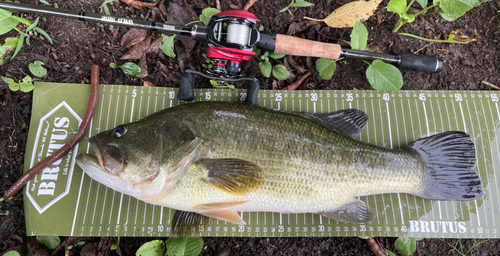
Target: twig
490,85
217,4
249,4
375,246
69,145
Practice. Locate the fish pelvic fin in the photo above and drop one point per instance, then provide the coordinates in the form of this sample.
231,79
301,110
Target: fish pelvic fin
188,223
225,215
449,159
232,175
354,212
348,122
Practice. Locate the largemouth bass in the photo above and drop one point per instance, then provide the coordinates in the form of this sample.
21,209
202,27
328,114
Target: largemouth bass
215,159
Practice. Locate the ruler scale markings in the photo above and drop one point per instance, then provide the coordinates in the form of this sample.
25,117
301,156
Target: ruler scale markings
413,136
98,184
83,174
498,150
465,126
472,127
406,143
442,130
375,135
484,153
391,146
367,140
428,134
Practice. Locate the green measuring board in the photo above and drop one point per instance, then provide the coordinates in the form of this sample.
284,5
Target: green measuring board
62,200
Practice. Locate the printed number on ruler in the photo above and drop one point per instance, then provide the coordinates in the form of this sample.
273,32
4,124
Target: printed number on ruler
208,95
494,97
349,96
458,97
171,94
243,96
422,97
134,93
385,96
314,97
278,97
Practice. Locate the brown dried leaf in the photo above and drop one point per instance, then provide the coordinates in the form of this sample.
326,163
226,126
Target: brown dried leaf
144,66
154,48
138,50
146,83
275,85
162,68
180,15
249,4
300,82
133,37
346,15
138,4
375,246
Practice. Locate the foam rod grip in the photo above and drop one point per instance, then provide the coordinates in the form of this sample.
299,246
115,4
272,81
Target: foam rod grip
420,63
290,45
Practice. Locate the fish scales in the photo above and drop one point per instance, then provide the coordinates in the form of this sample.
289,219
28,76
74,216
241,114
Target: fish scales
306,166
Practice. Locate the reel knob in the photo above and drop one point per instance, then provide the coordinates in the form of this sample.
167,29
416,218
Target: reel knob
186,89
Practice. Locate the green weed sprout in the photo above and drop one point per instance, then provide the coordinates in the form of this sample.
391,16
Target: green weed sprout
296,3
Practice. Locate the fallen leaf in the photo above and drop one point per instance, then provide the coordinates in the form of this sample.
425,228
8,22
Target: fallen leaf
275,85
146,83
162,68
144,67
375,246
154,48
138,50
249,4
346,15
138,4
177,14
300,82
133,37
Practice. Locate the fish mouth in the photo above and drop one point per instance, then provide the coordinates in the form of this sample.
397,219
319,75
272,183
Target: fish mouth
109,157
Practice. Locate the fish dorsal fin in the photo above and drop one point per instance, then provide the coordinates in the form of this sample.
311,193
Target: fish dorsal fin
187,223
354,212
232,175
349,122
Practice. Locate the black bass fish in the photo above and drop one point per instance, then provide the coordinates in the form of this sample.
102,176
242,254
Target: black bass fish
215,159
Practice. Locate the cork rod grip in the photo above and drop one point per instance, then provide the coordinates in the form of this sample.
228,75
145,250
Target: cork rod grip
290,45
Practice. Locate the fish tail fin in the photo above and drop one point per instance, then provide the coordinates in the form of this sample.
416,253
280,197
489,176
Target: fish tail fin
449,158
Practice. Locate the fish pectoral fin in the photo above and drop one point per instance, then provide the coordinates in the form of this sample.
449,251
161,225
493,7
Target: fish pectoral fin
188,223
354,212
349,122
232,175
218,205
225,215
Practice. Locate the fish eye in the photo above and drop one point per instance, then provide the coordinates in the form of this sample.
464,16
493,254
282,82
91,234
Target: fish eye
119,131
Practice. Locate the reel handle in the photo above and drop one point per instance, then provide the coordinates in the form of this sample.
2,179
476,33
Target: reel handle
186,88
253,92
420,63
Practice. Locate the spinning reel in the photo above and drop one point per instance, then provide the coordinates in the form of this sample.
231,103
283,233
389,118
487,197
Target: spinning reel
233,37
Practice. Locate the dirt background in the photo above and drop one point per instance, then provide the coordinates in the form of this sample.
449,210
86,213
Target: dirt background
78,45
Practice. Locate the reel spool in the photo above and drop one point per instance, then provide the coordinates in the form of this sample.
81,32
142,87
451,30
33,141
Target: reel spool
232,37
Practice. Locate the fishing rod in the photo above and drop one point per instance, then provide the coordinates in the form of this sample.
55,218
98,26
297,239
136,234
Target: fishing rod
232,37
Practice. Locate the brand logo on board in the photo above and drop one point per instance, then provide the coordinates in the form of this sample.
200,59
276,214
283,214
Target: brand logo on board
53,183
425,226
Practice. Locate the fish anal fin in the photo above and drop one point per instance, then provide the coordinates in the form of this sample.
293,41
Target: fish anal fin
218,205
188,223
232,175
225,215
354,212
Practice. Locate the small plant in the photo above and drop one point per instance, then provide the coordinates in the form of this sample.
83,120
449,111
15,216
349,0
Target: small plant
7,48
449,9
216,84
209,64
128,68
6,213
77,244
279,71
50,242
114,246
12,253
26,85
207,14
454,37
9,22
104,7
381,76
37,69
178,246
458,247
296,3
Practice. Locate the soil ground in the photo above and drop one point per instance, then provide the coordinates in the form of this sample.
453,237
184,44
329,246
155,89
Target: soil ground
78,45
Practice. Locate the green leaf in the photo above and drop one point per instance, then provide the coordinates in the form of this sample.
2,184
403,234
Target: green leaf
51,242
409,17
30,27
280,72
47,3
265,68
397,6
383,76
214,82
6,49
4,14
359,36
423,3
22,20
276,56
184,246
26,87
41,31
7,25
457,8
167,45
106,2
10,41
261,28
112,65
406,245
152,248
389,252
13,86
325,68
207,14
19,46
12,253
131,68
284,9
304,4
37,69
